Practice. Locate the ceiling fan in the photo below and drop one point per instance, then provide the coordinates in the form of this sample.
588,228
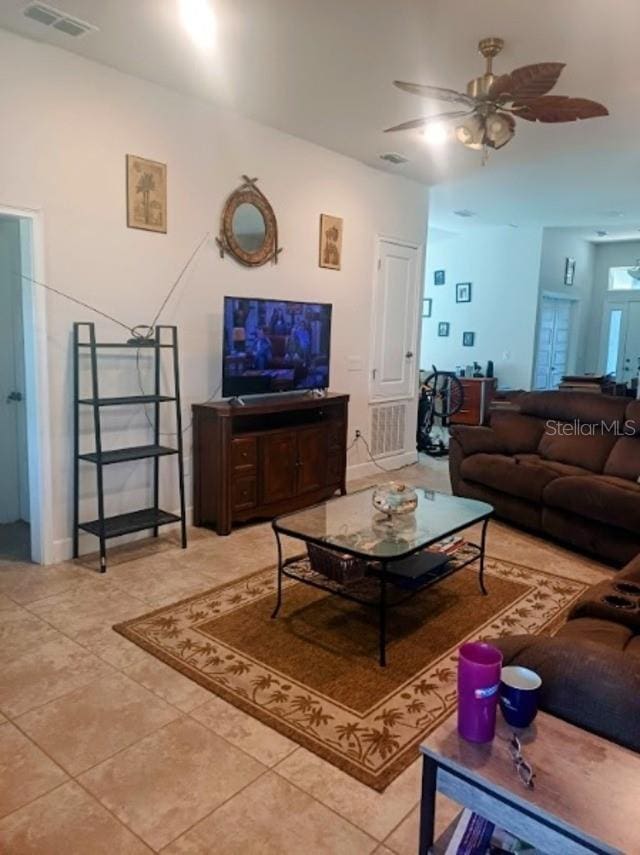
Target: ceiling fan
492,102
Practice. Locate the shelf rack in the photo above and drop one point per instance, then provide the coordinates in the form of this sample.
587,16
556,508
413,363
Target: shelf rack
106,527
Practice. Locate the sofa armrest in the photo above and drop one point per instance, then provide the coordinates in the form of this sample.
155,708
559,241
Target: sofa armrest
476,440
584,683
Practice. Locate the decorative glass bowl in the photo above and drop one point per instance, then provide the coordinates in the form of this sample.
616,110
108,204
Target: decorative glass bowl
394,499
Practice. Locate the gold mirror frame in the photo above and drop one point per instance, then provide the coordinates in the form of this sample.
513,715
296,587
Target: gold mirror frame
248,193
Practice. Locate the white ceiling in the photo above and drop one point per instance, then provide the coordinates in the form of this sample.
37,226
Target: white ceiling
323,71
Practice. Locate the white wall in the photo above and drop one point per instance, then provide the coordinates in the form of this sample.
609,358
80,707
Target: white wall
558,245
621,254
67,127
503,266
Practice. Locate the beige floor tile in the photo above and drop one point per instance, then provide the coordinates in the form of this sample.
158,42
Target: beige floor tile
87,607
112,647
383,850
161,581
52,670
88,725
26,583
273,817
6,602
376,813
168,683
21,632
243,730
67,821
404,839
25,772
168,781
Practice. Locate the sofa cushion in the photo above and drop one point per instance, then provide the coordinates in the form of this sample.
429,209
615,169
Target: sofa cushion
633,647
609,500
507,475
551,465
583,682
624,460
474,439
567,406
612,635
632,418
588,451
515,432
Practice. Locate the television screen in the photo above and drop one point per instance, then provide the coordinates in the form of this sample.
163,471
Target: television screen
274,346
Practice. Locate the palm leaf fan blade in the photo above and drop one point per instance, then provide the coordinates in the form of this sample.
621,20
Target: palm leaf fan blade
557,108
412,124
528,81
437,93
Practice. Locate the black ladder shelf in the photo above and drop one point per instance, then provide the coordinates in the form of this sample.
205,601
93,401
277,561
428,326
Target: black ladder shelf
105,527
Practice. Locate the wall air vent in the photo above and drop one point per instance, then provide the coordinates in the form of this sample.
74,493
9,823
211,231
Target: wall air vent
388,423
393,157
57,19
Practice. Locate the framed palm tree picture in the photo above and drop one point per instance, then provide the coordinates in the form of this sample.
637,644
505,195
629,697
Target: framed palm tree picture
146,194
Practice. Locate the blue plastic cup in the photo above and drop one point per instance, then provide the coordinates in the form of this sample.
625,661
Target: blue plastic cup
518,695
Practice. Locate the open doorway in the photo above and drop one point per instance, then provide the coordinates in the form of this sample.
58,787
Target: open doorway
25,513
15,535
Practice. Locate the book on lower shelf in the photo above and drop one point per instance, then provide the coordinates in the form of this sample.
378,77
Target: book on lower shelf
475,835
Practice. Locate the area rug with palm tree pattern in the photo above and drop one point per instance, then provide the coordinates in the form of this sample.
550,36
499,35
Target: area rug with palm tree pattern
312,673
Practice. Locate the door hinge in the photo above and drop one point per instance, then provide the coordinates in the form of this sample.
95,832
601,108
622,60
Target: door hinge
374,371
379,264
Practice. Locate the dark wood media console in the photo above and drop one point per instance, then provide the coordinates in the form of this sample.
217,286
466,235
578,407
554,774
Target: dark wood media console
267,457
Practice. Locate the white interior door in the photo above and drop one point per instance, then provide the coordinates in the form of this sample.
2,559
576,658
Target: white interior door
554,338
396,327
631,354
13,453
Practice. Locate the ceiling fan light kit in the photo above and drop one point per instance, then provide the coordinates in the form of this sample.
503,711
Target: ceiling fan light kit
492,102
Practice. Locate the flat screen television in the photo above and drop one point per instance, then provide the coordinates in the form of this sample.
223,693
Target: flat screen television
275,346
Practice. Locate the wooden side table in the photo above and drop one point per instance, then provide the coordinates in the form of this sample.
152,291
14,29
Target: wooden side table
586,788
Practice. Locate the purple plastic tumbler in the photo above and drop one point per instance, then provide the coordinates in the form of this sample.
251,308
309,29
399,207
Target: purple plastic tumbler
479,667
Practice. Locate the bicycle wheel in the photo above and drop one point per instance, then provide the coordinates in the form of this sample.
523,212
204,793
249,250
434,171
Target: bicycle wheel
446,393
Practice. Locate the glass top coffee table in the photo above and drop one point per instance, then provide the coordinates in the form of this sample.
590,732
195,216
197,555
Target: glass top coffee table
394,549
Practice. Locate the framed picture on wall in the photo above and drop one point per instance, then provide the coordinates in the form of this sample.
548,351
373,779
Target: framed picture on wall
569,271
439,277
427,305
443,329
463,292
330,242
146,194
468,339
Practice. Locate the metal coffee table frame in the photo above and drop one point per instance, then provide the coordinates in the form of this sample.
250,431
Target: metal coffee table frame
381,569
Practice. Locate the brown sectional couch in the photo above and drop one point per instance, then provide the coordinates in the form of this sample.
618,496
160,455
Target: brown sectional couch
591,669
565,464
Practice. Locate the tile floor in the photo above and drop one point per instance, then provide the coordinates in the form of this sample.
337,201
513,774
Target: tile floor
104,749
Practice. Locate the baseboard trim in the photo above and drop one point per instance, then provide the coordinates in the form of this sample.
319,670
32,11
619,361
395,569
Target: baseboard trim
397,461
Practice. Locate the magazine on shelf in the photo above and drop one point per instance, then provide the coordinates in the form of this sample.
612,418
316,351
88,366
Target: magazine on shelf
475,835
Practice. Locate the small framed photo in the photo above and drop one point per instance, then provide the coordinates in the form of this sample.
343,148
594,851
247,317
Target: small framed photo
463,292
146,194
438,277
330,242
443,329
569,271
427,305
468,339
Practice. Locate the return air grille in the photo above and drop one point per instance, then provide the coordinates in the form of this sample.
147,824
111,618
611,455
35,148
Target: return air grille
50,17
388,423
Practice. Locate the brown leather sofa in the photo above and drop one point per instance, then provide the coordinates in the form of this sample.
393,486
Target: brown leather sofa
591,669
564,464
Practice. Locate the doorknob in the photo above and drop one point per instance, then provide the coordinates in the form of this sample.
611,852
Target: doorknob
14,396
409,354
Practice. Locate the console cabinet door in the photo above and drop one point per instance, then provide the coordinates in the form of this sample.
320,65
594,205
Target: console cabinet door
312,459
279,466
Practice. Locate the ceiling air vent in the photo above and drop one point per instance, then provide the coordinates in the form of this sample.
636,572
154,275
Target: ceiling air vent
57,19
392,157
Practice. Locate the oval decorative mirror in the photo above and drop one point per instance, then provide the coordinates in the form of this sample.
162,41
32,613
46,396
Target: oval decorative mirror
249,230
